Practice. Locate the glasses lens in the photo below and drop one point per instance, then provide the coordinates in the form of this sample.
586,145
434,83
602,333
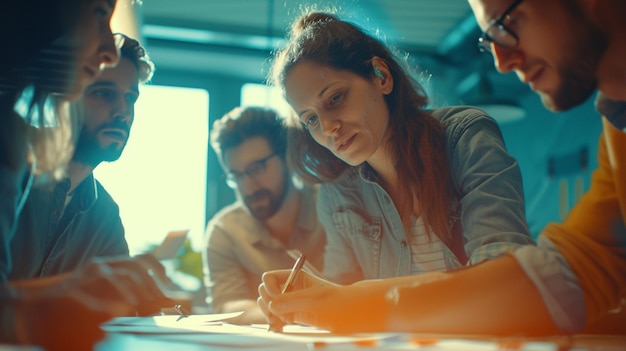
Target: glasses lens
498,35
501,36
256,169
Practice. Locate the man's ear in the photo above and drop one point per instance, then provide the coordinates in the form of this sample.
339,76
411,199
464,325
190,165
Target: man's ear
384,79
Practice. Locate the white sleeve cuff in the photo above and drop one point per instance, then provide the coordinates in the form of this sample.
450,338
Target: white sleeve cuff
556,282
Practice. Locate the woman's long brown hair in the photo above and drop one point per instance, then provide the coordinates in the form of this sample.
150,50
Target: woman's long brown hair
417,138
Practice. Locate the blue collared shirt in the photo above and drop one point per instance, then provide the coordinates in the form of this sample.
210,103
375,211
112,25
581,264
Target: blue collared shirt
11,199
52,238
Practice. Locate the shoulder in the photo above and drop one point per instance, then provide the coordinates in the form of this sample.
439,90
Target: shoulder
103,198
309,193
464,123
103,193
234,222
347,181
231,215
460,116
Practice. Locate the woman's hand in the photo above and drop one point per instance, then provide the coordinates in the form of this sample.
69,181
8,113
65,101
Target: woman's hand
359,307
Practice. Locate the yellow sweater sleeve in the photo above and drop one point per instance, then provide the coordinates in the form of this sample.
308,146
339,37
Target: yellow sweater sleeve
593,237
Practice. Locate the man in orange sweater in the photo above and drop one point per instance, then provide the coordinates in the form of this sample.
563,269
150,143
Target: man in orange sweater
565,50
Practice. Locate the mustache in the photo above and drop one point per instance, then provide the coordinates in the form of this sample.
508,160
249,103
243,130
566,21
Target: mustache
117,124
257,195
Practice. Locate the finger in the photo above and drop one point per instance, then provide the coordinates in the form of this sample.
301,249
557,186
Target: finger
296,301
128,282
262,301
262,306
142,275
273,281
278,320
100,280
150,301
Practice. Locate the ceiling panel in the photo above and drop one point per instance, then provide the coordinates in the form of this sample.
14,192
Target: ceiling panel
420,24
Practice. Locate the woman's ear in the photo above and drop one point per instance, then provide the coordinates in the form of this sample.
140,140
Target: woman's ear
384,79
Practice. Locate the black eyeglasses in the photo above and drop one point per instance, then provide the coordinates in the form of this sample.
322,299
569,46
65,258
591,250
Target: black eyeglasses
255,169
498,33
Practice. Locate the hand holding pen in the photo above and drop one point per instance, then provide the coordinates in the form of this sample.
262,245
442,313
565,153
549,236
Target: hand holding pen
276,325
320,303
304,300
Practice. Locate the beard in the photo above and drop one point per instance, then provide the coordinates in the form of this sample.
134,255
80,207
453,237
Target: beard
89,151
578,82
274,201
579,69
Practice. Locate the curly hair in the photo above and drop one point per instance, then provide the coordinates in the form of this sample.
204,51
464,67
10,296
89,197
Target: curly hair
132,50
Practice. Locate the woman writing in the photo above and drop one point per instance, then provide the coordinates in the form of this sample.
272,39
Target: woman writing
406,190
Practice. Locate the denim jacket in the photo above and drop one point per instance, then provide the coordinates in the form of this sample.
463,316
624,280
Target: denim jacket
365,235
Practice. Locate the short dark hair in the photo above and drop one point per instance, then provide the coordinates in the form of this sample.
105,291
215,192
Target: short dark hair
243,123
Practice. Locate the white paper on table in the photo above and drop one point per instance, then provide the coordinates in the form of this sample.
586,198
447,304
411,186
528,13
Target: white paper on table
168,324
293,337
213,329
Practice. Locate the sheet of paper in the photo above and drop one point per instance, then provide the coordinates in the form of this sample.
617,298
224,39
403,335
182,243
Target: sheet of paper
213,329
257,336
194,323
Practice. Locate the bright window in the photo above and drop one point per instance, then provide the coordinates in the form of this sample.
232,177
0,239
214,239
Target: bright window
263,95
159,182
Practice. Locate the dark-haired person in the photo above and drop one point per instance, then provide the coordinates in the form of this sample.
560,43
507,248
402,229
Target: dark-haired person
62,227
272,213
575,278
406,189
43,69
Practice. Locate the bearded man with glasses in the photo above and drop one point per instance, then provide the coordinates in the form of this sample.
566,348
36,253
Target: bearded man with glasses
565,50
273,214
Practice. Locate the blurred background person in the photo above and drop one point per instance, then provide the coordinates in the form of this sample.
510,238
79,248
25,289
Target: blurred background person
272,213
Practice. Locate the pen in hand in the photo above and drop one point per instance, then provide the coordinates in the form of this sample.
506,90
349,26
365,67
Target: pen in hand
277,326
